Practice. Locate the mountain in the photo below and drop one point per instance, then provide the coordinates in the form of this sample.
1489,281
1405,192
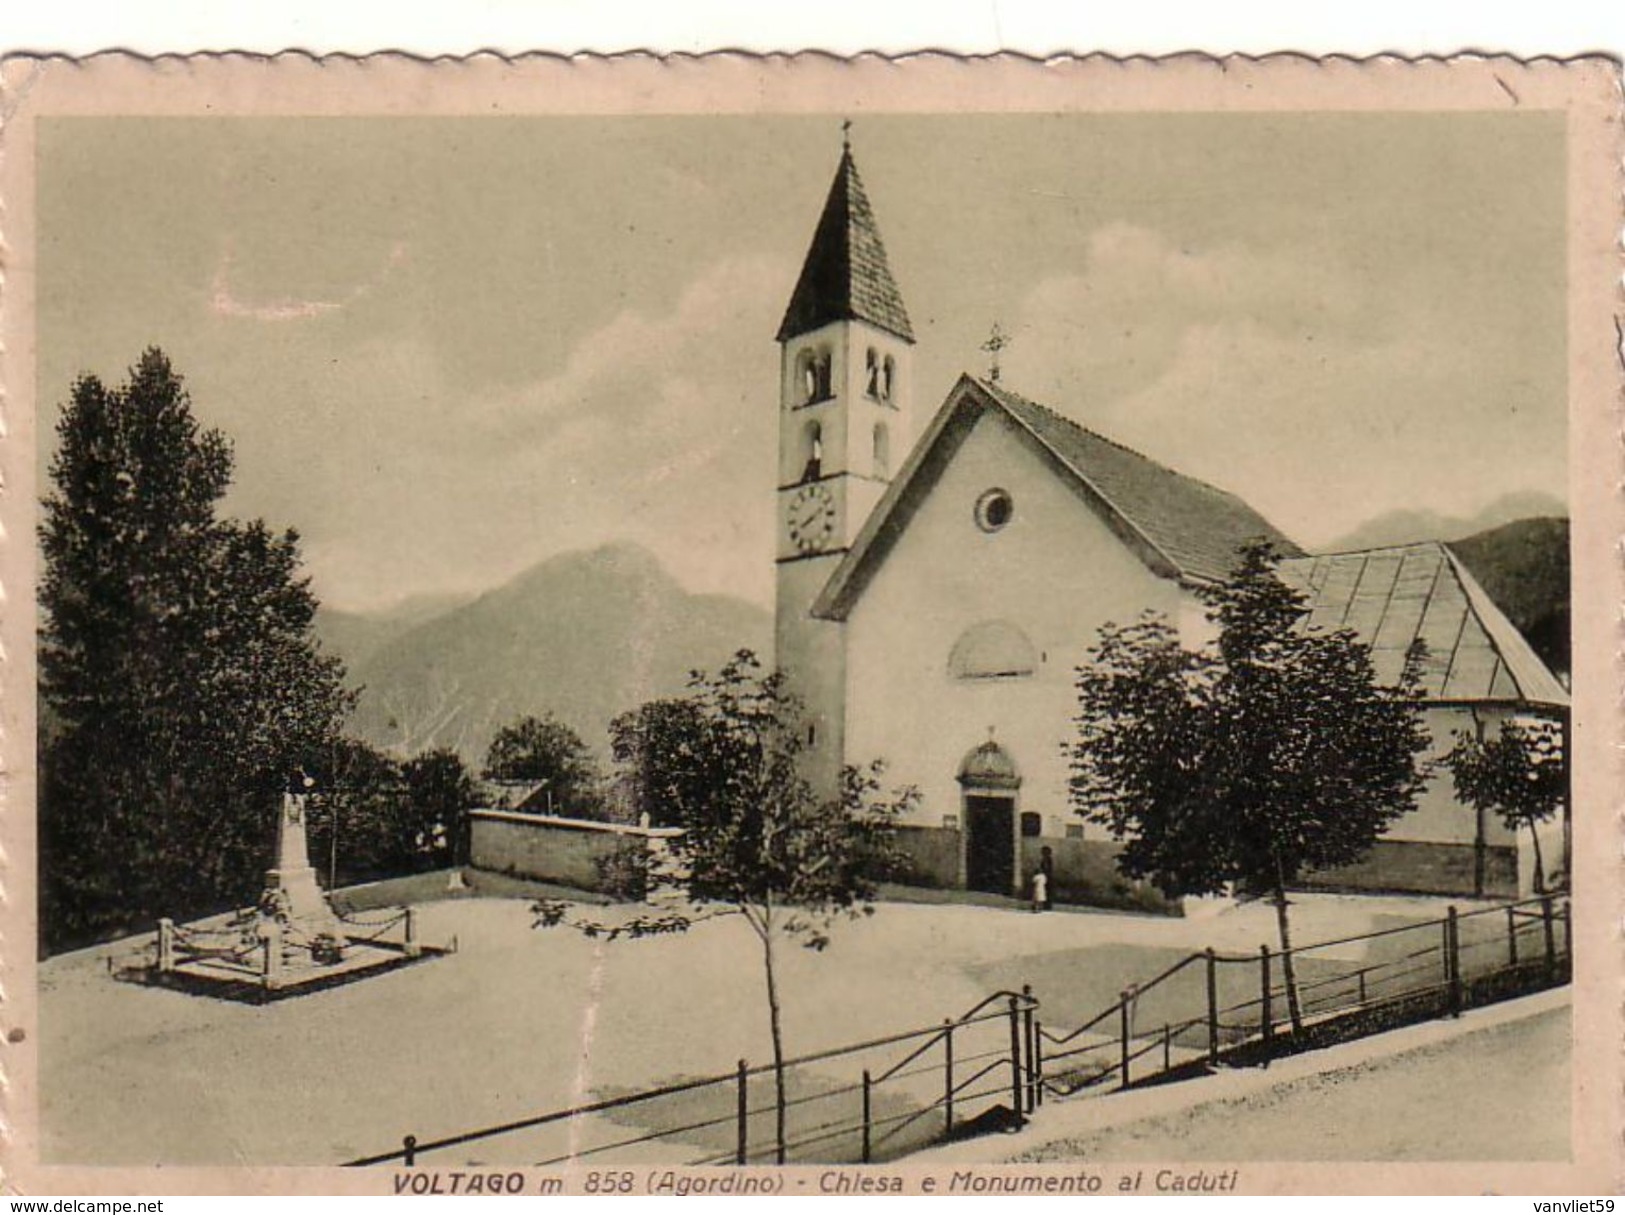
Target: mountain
1524,567
1409,526
355,636
584,636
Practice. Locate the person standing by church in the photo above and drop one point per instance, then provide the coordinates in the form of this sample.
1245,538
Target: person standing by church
1043,880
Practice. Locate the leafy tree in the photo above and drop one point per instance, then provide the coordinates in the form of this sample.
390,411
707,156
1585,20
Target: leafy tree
653,746
756,839
356,826
1272,751
181,678
439,794
545,750
391,818
1520,775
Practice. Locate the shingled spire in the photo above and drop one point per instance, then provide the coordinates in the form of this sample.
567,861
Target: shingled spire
845,276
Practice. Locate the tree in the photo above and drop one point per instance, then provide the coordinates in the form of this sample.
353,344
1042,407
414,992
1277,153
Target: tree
1271,751
178,667
653,747
390,818
355,828
1520,775
439,794
756,840
548,752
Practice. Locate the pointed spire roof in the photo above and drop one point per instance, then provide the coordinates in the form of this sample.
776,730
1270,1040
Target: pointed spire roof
845,276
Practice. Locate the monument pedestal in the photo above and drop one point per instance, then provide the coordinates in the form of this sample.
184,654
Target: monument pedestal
292,893
302,901
293,942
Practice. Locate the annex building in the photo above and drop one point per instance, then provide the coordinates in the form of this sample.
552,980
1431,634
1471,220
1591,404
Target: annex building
941,575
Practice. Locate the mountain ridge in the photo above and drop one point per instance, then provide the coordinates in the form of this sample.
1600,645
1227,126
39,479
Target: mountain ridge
591,633
1524,567
1408,526
584,635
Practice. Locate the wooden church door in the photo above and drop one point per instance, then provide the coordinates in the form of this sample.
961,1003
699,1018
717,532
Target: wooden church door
990,844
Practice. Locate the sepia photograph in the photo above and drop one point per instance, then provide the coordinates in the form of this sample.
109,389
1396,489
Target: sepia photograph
1043,628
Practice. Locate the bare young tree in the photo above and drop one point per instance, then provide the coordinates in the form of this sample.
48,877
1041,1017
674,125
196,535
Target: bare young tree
756,840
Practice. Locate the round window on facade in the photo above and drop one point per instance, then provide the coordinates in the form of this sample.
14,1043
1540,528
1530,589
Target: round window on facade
993,510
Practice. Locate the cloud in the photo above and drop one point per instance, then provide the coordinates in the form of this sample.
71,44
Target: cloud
224,302
1120,318
659,427
1282,376
1285,377
627,369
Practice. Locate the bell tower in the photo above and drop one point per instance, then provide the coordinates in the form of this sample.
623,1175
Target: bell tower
844,426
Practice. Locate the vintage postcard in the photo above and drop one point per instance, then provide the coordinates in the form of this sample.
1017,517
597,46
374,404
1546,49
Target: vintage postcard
796,626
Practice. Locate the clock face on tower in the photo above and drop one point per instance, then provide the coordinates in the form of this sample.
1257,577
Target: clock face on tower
811,519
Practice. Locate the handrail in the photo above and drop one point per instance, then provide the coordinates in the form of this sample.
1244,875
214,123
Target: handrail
1138,992
1498,909
998,1052
1003,994
974,1016
1501,908
977,1075
1105,1044
926,1069
647,1137
912,1055
871,1044
1090,1024
1324,999
1141,988
963,1019
524,1124
902,1120
1364,978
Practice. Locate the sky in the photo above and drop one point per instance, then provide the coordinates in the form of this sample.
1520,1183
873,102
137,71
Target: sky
446,349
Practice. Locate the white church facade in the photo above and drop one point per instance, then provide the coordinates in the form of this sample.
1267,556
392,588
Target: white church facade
940,578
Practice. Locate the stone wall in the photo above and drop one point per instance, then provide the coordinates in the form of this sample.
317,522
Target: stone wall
1086,874
1085,870
566,851
933,856
1419,867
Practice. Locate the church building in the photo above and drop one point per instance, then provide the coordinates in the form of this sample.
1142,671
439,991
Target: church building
941,576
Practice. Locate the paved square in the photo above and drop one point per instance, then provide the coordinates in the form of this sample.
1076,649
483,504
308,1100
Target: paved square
522,1021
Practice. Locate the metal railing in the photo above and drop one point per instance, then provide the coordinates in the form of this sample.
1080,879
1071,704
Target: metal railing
963,1068
1430,964
994,1064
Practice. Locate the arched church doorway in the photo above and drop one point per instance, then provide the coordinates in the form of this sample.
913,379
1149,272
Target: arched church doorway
989,823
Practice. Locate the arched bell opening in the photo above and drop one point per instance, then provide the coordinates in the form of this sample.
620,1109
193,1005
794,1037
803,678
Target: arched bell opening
812,451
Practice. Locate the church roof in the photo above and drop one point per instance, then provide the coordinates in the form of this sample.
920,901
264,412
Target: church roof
845,275
1196,526
1179,526
1391,597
